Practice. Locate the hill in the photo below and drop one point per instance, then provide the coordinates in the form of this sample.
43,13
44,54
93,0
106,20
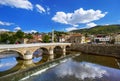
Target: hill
106,29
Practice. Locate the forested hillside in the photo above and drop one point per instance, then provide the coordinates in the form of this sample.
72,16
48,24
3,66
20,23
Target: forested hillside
106,29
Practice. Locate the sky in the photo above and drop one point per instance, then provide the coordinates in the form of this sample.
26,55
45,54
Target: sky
45,15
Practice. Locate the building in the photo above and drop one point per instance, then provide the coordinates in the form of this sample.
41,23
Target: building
102,39
74,38
117,39
35,39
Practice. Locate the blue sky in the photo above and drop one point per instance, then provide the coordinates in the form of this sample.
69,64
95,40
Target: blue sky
45,15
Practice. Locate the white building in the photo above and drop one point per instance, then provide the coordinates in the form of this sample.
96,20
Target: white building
102,39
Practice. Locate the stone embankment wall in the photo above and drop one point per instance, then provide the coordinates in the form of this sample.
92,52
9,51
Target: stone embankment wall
99,49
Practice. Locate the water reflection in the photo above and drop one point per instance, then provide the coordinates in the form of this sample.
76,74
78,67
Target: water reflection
80,70
36,59
7,63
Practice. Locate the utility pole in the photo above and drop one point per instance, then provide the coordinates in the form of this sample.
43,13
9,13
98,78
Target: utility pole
52,35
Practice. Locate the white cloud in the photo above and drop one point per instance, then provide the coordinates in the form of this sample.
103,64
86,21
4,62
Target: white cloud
5,23
4,30
71,28
78,16
61,17
6,65
89,25
40,9
17,28
48,10
31,31
24,4
107,24
34,31
80,71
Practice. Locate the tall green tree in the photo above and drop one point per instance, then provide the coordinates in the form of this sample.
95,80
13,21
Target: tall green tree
12,39
19,34
46,38
4,37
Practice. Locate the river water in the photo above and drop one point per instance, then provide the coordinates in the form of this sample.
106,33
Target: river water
84,67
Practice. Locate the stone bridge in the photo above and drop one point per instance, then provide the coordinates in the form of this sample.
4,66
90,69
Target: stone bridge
26,51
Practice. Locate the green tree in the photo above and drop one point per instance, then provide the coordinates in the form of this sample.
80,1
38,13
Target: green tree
4,37
12,39
19,34
46,38
29,36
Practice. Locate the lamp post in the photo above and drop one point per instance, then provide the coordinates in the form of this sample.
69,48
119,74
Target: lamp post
52,35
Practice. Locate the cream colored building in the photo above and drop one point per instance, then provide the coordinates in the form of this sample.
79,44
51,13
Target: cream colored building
83,40
117,39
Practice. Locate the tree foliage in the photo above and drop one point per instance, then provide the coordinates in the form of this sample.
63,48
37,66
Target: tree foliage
46,38
19,34
106,29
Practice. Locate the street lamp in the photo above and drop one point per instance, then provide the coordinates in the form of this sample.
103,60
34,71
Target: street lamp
52,35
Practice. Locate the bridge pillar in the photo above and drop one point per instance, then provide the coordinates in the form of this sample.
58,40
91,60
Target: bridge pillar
51,57
64,50
51,52
28,55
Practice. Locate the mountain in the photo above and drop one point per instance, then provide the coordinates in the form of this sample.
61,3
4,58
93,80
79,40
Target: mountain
106,29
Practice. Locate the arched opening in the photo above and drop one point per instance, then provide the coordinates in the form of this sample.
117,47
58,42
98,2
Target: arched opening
58,52
41,55
68,49
9,60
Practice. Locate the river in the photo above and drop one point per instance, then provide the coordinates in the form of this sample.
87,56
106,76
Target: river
83,67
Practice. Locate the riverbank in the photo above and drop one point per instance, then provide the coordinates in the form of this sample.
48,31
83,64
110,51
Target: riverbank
98,49
16,76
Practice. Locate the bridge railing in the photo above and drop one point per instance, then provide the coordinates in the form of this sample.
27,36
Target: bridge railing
4,46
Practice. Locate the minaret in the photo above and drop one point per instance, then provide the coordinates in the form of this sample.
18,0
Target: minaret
52,35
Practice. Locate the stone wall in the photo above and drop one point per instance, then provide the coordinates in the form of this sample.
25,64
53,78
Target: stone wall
100,49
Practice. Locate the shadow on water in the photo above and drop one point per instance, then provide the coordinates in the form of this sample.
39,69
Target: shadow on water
96,59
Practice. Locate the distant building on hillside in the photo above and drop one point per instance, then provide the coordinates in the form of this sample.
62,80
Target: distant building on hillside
36,39
102,39
74,38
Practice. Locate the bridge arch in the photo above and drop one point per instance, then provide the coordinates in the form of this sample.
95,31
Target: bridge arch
68,48
15,52
41,51
58,51
45,50
40,55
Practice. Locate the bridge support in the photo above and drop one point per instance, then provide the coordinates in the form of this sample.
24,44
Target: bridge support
64,50
51,57
51,52
28,55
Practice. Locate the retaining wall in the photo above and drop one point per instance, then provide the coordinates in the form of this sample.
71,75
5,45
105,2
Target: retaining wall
99,49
